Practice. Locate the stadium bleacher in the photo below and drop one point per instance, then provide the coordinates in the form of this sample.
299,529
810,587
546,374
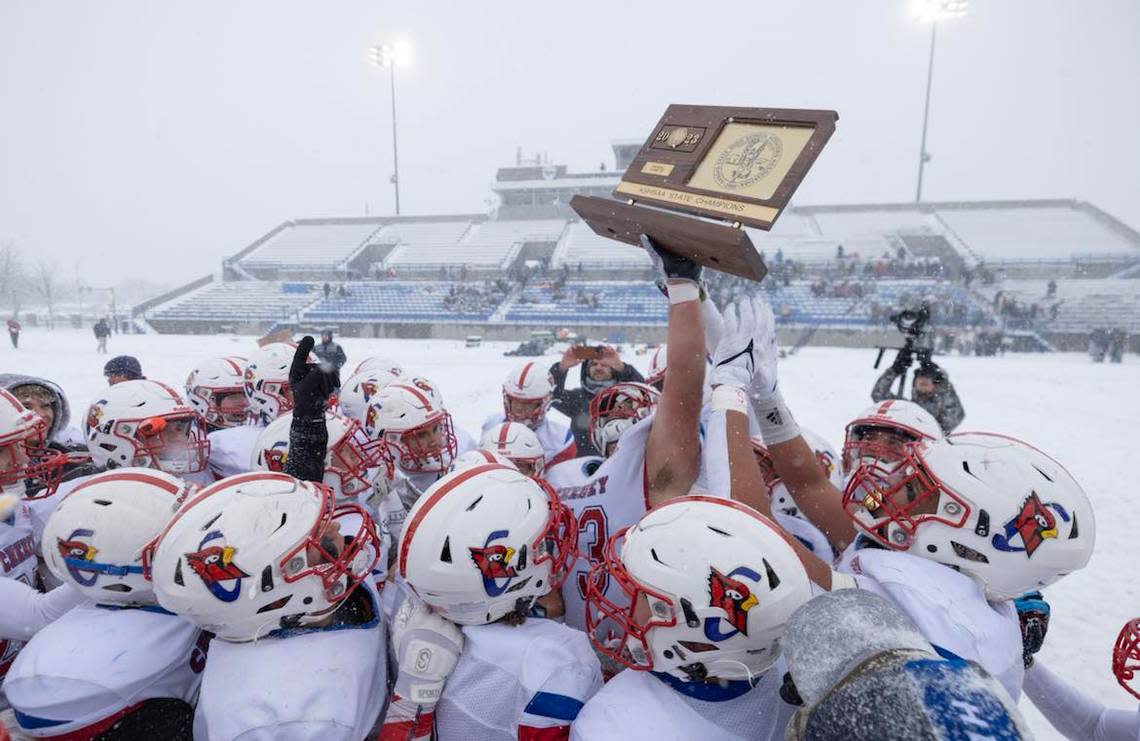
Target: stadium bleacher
580,245
617,303
796,304
252,300
413,301
1029,233
486,244
1081,304
311,245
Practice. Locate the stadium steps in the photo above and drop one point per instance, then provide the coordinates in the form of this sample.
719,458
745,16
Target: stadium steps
1133,271
500,314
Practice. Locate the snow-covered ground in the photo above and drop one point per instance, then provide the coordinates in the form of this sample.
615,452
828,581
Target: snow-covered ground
1083,414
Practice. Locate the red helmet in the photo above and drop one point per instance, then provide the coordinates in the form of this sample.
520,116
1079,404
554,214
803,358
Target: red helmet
1126,656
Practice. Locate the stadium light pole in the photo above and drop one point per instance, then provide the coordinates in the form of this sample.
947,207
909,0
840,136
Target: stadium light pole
932,11
397,54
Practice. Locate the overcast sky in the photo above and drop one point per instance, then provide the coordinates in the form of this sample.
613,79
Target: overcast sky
149,139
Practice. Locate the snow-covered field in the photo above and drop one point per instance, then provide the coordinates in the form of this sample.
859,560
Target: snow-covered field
1083,414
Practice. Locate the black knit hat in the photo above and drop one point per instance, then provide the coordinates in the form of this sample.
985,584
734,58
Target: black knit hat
124,365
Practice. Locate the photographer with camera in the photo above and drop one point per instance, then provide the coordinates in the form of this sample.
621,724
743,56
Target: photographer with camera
931,388
601,368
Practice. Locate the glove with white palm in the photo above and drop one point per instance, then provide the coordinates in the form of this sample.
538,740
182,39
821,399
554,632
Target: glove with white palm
745,355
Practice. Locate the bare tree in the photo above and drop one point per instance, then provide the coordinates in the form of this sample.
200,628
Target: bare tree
13,280
47,287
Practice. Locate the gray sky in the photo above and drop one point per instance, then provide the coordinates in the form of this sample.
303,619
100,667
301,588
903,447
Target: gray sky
149,139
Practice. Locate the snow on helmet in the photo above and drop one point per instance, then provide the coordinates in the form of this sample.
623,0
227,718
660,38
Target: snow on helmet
146,424
518,443
617,408
267,381
987,505
407,416
96,536
696,571
26,463
256,552
1126,657
881,430
527,393
782,500
358,390
352,461
657,363
484,542
380,363
215,381
478,457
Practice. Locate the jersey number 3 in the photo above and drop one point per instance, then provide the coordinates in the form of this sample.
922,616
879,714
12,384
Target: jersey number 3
593,532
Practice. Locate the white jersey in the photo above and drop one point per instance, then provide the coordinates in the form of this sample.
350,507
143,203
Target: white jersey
513,682
95,662
231,449
604,500
556,439
18,561
423,481
306,683
643,706
950,610
1077,716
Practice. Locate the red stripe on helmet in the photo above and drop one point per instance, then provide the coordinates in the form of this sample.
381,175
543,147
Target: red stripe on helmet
504,428
414,524
525,372
136,476
416,393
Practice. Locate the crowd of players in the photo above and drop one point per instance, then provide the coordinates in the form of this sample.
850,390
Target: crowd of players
276,554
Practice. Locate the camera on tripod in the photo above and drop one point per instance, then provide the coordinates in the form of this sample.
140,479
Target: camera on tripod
918,343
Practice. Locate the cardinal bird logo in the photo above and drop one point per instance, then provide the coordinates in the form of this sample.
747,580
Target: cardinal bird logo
734,597
369,389
95,416
277,456
371,417
79,557
1034,524
494,563
215,564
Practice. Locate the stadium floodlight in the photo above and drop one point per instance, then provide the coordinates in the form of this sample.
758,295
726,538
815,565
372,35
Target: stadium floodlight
391,56
932,11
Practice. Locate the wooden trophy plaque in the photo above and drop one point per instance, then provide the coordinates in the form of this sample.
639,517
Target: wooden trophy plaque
739,166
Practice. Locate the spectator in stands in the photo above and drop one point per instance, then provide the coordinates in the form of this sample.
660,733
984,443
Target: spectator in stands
597,374
14,332
102,331
328,289
931,390
122,368
1051,289
329,351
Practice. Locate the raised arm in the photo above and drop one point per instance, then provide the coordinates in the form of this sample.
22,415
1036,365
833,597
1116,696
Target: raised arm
672,456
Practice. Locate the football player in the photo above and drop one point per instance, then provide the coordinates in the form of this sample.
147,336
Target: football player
517,443
527,394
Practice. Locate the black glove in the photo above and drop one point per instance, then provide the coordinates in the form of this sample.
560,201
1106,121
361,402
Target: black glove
308,435
1033,614
312,384
902,362
670,265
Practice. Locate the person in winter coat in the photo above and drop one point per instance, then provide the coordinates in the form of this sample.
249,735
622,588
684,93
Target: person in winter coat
931,390
596,374
329,351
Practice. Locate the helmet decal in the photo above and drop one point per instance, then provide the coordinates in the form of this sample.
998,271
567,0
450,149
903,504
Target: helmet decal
214,564
77,554
277,456
494,562
1034,524
368,389
734,597
95,414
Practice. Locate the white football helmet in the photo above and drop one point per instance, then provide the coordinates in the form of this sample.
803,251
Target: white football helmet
478,457
484,542
657,364
987,505
617,408
881,431
418,430
267,381
358,390
24,458
518,443
215,390
97,534
352,461
301,554
708,586
527,393
385,365
146,424
782,500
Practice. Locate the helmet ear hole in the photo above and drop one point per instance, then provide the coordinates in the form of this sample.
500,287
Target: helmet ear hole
445,554
773,579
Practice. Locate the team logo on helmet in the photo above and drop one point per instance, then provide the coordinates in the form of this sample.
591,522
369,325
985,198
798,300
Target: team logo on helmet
79,557
494,563
371,418
277,456
1034,524
95,415
734,597
368,389
422,385
215,564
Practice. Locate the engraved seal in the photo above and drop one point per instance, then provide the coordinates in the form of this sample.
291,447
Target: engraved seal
747,160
